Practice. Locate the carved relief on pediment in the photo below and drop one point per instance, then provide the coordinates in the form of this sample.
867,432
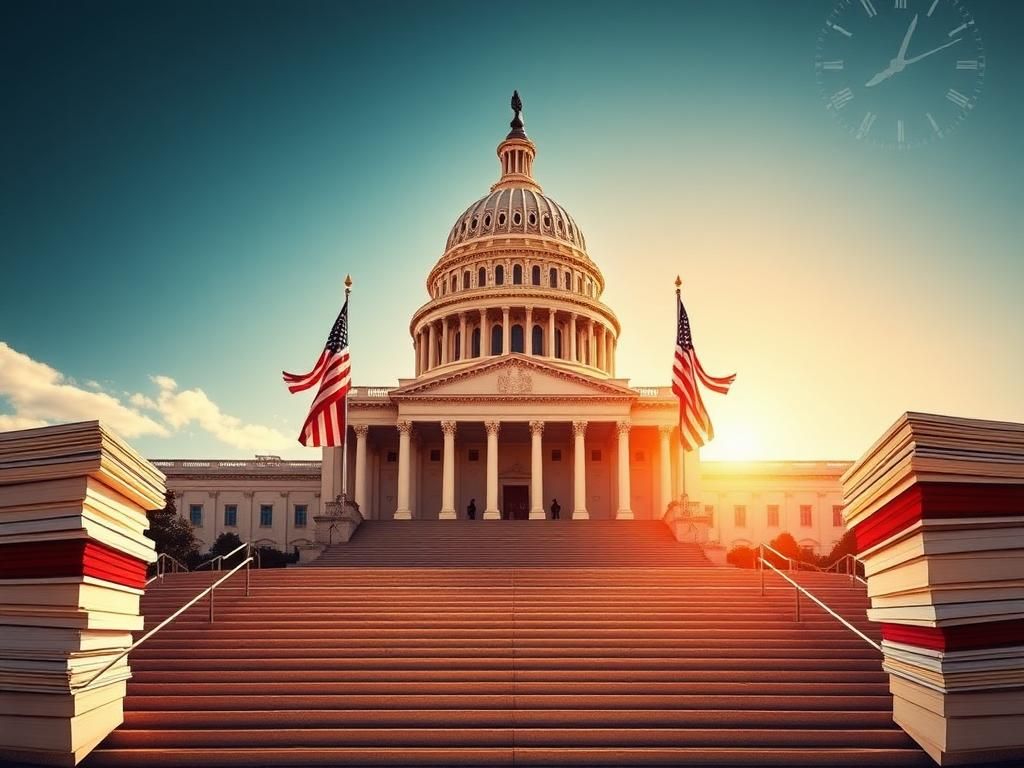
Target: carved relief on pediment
514,381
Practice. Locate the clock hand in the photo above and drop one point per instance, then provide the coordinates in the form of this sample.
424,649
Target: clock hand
906,39
885,74
933,50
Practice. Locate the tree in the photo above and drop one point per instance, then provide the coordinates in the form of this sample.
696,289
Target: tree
172,533
742,556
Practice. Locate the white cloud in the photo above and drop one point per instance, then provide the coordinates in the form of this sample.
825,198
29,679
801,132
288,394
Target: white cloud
182,407
40,394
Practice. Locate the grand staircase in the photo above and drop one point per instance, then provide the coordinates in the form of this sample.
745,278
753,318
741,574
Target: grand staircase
511,544
492,666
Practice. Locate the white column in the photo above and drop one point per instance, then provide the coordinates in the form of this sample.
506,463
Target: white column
506,332
415,461
448,472
625,511
665,458
551,333
590,343
528,332
536,471
601,347
485,335
432,347
572,337
579,474
491,511
444,341
463,342
403,512
361,430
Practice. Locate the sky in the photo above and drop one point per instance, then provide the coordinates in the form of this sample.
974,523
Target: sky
184,186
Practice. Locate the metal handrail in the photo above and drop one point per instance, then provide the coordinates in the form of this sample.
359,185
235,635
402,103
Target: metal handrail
801,565
220,558
818,602
161,570
208,591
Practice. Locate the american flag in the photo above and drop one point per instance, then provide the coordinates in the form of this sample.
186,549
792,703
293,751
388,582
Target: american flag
694,423
325,424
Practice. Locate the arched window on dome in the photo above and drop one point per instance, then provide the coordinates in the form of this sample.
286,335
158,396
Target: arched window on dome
535,275
499,275
465,280
579,284
475,342
496,340
517,274
481,277
590,290
457,352
517,342
558,343
537,342
553,277
455,283
568,281
444,287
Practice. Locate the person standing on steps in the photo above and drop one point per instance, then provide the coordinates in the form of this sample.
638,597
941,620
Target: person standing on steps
555,509
471,509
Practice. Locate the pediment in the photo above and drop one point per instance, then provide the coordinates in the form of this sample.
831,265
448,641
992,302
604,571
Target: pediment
512,377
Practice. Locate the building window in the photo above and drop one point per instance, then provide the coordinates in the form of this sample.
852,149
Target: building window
392,457
300,515
535,275
496,340
195,515
474,454
805,515
475,341
230,515
499,275
740,515
558,343
455,283
517,274
465,280
553,277
556,454
481,277
837,515
266,515
435,454
595,454
579,284
537,346
568,281
773,515
517,339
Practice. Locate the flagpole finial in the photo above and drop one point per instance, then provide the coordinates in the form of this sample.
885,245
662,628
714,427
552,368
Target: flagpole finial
679,283
348,285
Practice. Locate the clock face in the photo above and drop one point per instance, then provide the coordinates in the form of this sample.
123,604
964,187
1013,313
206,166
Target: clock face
900,72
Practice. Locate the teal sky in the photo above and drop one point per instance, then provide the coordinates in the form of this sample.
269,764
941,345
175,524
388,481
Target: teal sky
183,187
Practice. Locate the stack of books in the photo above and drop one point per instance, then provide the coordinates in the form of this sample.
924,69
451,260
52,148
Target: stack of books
73,558
937,509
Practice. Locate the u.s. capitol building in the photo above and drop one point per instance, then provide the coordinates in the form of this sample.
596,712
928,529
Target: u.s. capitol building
516,403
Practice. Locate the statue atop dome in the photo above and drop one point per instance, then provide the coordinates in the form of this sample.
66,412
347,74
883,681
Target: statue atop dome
517,122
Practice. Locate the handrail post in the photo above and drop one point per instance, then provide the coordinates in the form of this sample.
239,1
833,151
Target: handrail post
797,592
760,562
247,566
212,590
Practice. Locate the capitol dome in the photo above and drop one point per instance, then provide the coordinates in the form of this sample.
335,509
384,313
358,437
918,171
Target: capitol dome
516,210
515,278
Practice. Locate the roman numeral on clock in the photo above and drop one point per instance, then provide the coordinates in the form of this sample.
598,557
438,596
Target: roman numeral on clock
865,124
958,98
869,7
833,65
967,64
901,5
900,136
841,98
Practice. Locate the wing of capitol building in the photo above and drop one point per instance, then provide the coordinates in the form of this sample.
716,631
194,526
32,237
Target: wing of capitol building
517,404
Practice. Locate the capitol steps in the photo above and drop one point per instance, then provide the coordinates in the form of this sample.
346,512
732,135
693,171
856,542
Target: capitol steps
512,543
492,666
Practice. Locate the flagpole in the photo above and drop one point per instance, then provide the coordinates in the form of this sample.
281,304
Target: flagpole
344,437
